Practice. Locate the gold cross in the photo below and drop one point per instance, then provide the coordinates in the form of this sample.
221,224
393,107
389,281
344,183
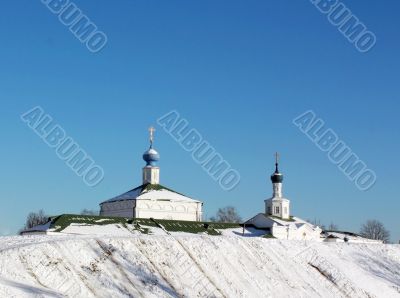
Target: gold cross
151,130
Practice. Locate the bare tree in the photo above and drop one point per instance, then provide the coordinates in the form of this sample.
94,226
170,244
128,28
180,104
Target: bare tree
89,212
36,218
374,229
333,227
316,222
226,214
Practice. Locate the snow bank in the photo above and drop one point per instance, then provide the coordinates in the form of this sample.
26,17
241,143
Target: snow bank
194,266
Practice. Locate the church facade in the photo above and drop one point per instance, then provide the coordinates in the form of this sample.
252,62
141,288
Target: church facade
277,217
151,199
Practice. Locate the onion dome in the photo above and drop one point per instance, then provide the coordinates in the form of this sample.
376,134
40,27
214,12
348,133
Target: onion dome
151,156
276,177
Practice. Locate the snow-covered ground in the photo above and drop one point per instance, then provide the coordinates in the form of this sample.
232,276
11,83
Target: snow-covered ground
194,266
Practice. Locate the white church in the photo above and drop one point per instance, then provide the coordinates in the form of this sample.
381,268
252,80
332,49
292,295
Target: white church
151,199
277,218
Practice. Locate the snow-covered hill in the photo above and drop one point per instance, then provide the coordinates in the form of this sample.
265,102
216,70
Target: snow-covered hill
194,266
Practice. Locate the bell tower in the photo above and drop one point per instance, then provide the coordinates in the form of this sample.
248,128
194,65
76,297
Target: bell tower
277,206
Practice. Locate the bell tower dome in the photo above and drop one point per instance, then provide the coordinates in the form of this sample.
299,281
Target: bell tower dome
151,172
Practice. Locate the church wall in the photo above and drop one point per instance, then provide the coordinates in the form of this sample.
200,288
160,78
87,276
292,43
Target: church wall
279,232
281,203
190,211
118,209
158,209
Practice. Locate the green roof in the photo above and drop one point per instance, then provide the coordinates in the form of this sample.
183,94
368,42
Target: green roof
136,192
59,223
280,218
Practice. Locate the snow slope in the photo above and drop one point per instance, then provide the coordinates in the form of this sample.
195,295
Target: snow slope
194,266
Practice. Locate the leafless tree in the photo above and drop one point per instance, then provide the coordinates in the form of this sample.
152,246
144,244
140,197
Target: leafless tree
374,229
227,214
316,222
89,212
36,218
333,227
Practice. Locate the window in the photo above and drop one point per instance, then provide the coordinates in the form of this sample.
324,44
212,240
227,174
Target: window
277,210
269,210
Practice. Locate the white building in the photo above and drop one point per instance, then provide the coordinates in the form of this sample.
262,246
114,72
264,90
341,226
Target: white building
151,199
277,216
277,205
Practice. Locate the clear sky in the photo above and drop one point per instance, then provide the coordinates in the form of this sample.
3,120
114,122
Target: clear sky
238,71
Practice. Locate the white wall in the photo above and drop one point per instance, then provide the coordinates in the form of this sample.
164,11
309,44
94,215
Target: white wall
151,175
306,232
190,211
175,210
281,203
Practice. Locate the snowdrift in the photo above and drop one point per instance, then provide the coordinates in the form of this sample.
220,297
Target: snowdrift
194,266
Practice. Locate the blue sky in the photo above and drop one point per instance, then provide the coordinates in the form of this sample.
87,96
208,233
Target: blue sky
238,71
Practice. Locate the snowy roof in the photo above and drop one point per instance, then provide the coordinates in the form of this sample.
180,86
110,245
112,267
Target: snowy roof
349,235
298,222
151,192
38,228
293,222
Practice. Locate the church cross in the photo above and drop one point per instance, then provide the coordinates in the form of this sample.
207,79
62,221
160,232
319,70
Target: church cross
276,162
152,130
276,157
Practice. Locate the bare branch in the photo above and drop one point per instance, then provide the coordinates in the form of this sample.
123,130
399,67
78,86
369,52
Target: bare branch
374,229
